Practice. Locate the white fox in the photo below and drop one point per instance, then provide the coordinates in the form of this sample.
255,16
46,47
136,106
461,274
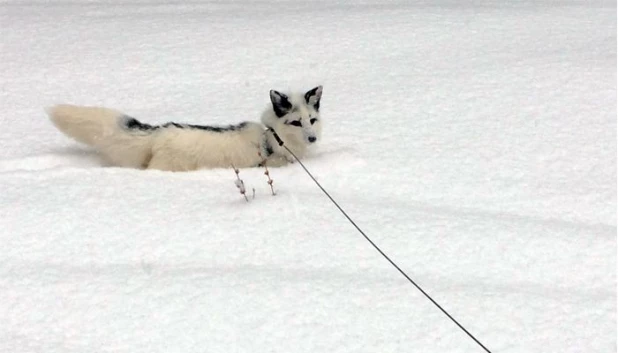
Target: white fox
126,142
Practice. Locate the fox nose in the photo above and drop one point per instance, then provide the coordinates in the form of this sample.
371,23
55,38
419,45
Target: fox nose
311,139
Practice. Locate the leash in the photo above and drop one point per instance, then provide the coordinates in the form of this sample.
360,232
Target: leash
280,142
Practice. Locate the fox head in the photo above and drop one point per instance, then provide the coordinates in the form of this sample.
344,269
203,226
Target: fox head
296,117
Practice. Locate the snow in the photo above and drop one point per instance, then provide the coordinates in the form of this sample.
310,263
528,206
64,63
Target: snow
474,142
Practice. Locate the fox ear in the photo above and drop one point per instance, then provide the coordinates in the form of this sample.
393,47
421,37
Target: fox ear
281,103
312,97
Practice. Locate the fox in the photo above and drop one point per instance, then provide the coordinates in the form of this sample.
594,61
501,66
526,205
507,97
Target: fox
291,120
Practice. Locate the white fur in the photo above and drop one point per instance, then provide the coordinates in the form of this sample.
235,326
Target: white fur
184,149
295,138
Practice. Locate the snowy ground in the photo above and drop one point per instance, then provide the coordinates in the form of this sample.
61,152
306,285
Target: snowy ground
475,141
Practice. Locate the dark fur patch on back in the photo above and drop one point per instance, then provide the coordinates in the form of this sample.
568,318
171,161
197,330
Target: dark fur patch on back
134,124
224,128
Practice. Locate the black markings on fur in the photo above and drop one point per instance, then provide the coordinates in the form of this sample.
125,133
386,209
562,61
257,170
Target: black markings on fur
315,95
269,150
170,124
281,103
266,149
225,128
133,124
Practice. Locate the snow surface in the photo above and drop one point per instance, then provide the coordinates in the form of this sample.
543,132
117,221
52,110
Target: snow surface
474,141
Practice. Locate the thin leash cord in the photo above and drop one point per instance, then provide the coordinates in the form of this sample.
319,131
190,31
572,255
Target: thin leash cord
376,247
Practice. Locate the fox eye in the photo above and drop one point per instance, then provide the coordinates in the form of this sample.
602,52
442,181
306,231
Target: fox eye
296,123
312,121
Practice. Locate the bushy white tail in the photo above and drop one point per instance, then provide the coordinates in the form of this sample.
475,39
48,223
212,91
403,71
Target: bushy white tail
102,128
